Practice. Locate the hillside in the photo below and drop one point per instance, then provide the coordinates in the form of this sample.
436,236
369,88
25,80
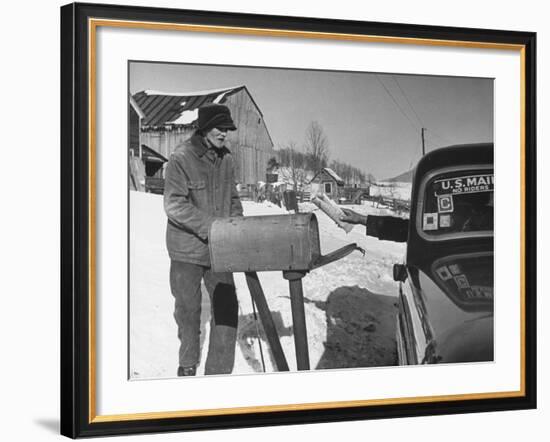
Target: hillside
405,177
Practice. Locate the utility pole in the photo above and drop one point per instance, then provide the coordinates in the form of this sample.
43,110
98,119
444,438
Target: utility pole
423,142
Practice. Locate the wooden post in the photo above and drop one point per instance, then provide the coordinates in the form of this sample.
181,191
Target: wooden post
298,317
267,320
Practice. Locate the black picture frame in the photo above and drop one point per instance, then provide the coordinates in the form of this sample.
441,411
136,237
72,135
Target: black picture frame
77,251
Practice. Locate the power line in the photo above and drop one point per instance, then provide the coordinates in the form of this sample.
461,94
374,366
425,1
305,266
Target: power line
408,101
422,128
429,131
434,134
413,125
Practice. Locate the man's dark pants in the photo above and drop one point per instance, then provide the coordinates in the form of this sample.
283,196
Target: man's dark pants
185,283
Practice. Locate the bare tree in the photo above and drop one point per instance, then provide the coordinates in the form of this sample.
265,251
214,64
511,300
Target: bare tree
351,175
317,148
294,165
362,177
337,166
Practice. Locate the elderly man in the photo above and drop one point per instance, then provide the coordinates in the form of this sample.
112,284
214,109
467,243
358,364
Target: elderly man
199,188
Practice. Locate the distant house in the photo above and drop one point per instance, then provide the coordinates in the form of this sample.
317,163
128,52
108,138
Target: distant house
328,182
160,121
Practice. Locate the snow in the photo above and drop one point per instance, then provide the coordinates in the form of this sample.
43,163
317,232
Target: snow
333,174
136,107
190,93
397,190
220,97
186,117
349,304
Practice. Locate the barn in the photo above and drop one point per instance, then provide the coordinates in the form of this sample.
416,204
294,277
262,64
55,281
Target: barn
160,121
328,182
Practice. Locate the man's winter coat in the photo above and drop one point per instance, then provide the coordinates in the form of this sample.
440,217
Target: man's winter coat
199,187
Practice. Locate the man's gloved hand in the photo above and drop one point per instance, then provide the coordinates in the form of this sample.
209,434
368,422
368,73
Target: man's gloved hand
353,217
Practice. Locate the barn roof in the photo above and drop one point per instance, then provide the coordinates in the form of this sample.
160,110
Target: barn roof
161,108
136,107
152,155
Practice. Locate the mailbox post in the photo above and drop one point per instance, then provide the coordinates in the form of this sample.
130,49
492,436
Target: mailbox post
298,317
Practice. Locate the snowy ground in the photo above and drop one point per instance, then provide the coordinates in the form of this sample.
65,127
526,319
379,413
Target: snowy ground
350,305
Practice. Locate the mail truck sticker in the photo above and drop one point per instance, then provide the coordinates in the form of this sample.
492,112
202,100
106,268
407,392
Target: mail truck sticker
444,273
462,282
465,184
445,204
430,221
445,221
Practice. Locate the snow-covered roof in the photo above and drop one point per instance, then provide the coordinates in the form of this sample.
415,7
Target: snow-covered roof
136,107
333,174
330,173
191,93
165,108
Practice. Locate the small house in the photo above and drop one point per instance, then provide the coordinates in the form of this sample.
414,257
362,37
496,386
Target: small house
327,182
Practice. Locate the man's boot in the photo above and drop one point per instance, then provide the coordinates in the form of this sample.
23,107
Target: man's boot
187,371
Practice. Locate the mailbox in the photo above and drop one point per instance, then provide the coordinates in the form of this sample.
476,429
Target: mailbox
263,243
269,243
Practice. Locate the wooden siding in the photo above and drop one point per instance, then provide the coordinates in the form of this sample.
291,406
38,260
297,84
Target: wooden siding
250,143
165,142
134,129
318,185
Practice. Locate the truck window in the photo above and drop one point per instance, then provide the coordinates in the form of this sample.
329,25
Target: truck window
457,204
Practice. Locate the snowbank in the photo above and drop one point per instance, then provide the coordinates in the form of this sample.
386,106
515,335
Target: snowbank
349,304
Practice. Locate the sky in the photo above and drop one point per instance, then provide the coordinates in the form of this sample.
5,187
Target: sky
372,121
